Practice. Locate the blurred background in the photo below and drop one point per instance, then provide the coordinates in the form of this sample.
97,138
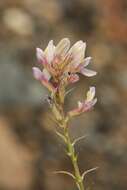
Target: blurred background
29,149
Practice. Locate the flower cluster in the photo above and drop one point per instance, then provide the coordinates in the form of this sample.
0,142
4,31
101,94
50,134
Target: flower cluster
61,66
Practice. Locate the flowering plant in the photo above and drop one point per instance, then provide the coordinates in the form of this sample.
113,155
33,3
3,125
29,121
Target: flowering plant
61,67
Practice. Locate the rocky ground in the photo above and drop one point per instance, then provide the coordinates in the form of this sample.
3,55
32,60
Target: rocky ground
29,149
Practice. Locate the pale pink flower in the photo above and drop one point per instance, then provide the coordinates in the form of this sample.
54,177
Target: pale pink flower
53,56
78,63
85,106
59,60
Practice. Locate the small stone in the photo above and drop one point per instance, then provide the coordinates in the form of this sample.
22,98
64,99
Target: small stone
18,21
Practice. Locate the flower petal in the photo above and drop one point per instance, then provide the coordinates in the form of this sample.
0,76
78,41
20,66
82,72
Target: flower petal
41,77
46,74
94,102
88,72
40,55
88,105
37,73
90,94
77,52
82,107
80,104
50,52
62,47
86,61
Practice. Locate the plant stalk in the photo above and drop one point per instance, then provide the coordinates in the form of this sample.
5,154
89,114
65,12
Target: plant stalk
70,146
73,156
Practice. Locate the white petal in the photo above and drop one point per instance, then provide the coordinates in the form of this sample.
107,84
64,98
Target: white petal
40,55
88,72
92,89
89,105
77,52
90,94
63,47
80,104
46,74
37,73
50,52
86,61
94,101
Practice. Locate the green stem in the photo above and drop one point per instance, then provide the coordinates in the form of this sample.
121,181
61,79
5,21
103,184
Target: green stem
63,122
73,156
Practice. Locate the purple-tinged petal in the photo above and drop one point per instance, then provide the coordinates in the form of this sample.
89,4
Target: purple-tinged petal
88,72
82,107
40,55
41,77
86,61
46,74
37,73
89,105
62,47
86,105
94,102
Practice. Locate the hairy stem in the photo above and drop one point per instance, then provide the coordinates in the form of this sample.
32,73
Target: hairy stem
63,123
73,156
